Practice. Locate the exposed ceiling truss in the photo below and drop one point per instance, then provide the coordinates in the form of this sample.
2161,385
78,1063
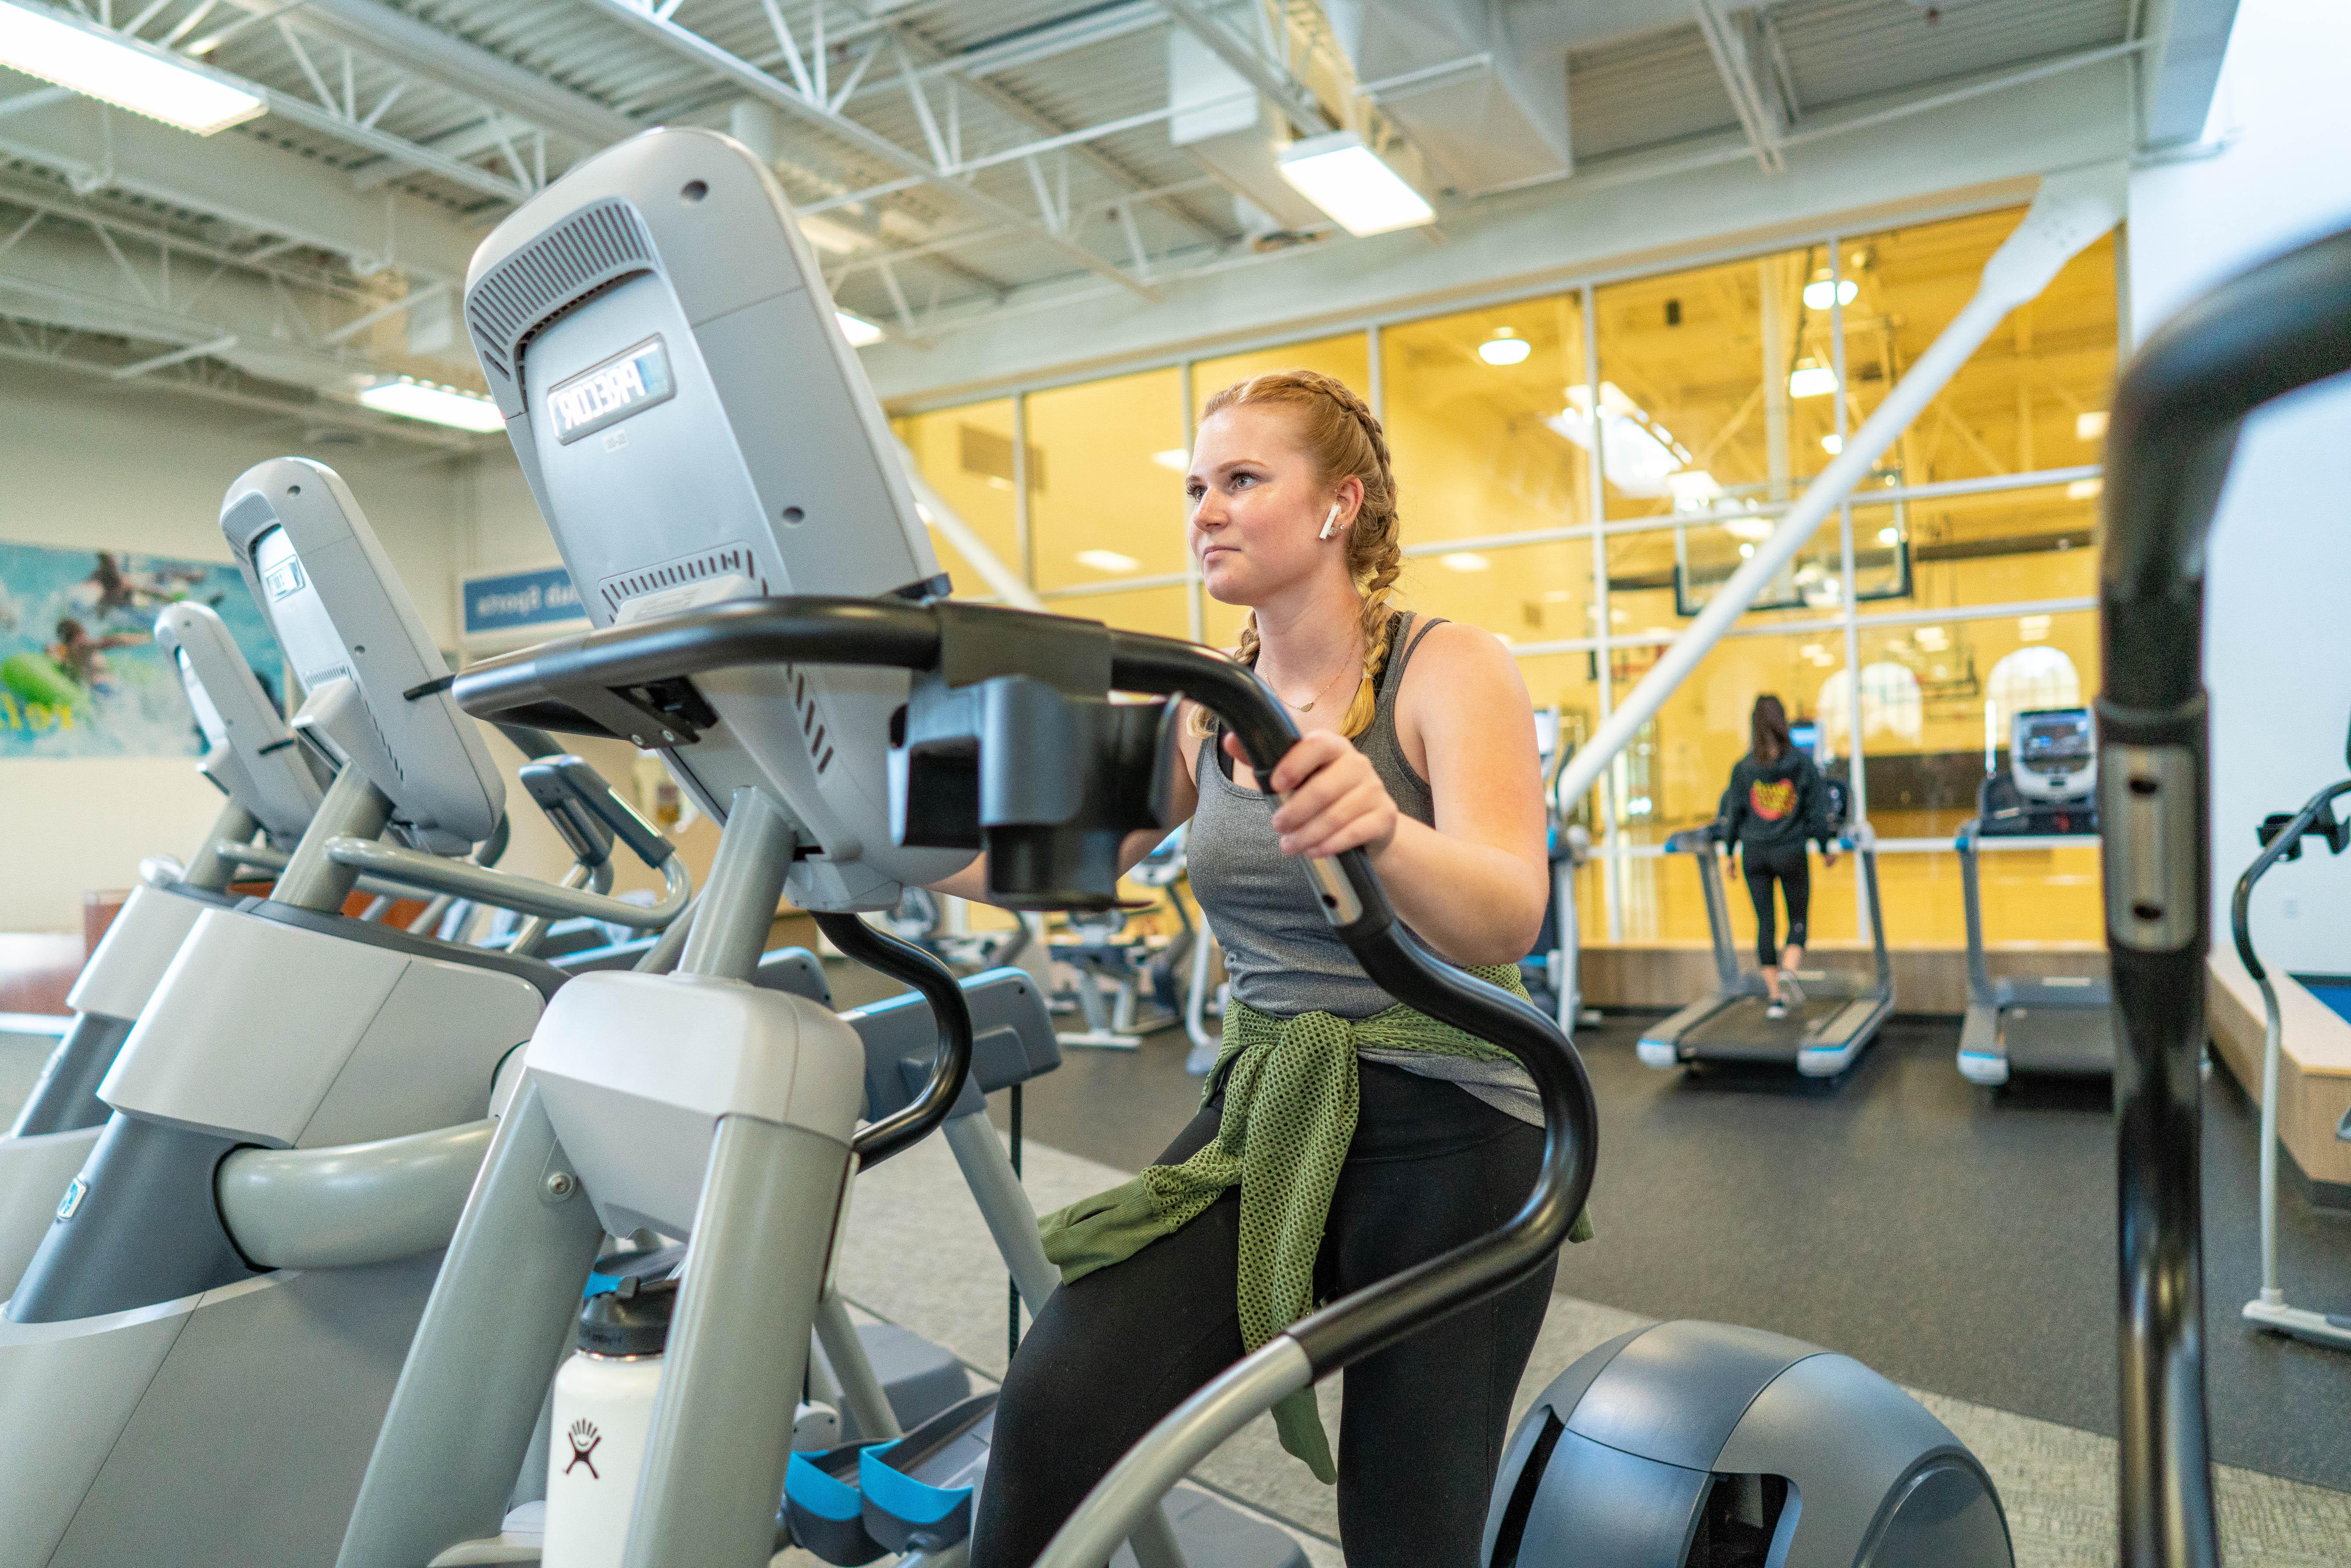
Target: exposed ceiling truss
956,159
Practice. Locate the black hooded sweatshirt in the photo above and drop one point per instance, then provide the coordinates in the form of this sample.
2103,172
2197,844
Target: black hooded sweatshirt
1775,806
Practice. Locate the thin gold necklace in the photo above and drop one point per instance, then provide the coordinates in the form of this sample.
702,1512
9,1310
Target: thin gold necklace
1309,706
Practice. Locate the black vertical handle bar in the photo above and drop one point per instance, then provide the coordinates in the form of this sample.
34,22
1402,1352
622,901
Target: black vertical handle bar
2176,414
2278,848
539,682
911,1122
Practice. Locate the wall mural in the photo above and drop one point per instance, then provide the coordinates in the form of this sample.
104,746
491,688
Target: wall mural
80,674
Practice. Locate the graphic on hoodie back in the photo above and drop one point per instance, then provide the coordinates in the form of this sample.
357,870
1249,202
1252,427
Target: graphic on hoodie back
1773,801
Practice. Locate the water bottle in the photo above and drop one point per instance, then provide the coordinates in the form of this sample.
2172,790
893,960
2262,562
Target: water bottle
603,1412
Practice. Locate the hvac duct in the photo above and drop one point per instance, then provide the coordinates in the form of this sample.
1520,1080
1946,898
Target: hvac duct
1479,88
1236,136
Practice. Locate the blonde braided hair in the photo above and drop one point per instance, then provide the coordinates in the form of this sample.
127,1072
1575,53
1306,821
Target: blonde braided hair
1337,429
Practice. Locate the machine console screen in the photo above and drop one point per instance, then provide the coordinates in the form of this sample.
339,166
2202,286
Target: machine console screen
208,719
606,393
2054,737
296,613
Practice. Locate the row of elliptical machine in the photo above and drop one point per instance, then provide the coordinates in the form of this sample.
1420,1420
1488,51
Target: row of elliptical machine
272,788
705,451
211,1318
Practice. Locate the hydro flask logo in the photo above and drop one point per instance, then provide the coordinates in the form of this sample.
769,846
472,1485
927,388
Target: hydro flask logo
583,1437
76,1190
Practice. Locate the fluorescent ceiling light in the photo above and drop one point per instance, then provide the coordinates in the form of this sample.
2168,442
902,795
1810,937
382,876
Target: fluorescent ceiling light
1811,379
1355,184
1832,444
1107,560
1504,349
1889,536
826,235
1820,292
2085,490
1745,551
1175,459
2091,425
1640,455
142,80
1755,529
2032,628
858,329
435,404
1464,561
1694,490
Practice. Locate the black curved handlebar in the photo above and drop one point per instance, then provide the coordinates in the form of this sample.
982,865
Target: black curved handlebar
911,1122
584,683
2176,414
2284,845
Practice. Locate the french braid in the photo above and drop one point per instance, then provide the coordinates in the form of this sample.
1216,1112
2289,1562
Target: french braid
1344,438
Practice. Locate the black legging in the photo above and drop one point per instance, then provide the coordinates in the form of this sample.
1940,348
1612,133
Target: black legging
1794,873
1424,1422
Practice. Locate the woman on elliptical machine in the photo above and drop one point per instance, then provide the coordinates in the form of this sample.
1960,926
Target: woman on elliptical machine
1342,1136
1776,804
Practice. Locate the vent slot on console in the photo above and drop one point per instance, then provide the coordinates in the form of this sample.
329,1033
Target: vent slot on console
597,246
727,561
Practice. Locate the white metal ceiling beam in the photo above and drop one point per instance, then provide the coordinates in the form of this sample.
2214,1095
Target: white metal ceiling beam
733,68
1032,47
1297,105
1757,105
244,182
2191,36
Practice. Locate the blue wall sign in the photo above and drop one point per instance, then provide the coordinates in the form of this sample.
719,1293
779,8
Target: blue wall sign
514,600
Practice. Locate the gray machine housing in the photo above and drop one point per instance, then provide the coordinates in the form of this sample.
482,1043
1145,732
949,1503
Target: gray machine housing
378,688
676,386
250,754
1697,1445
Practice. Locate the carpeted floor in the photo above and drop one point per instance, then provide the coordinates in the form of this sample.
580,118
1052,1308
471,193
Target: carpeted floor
2056,1481
1953,1241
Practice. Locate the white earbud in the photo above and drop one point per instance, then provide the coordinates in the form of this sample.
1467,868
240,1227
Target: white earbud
1330,522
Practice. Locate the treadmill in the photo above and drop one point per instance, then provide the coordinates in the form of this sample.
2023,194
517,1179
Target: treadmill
1820,1037
2046,797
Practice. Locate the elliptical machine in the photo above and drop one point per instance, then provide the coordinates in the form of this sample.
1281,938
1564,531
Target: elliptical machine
2282,835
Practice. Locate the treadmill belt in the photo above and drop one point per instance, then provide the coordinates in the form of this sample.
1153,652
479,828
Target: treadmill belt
1740,1032
2079,1041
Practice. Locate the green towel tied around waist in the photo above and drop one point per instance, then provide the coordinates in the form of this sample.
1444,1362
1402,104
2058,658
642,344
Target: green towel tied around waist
1290,1100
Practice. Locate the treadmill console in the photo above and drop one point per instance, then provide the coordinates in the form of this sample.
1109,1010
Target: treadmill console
2053,754
2050,786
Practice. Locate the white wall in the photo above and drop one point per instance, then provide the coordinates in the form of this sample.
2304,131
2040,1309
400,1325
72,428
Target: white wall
2278,640
86,465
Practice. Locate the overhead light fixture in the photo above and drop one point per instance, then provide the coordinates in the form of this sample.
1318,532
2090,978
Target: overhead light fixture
1820,293
2032,628
2091,425
1889,536
1746,552
1360,191
434,403
1464,561
1832,444
1756,529
1811,378
857,329
2085,490
1175,459
128,75
838,238
1504,348
1640,455
1694,490
1107,560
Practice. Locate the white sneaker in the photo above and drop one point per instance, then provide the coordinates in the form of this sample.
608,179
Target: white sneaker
1790,993
1778,1009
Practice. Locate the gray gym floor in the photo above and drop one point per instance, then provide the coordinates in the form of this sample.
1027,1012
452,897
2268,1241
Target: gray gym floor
1953,1241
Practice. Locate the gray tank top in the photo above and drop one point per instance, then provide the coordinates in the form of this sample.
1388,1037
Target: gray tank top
1280,954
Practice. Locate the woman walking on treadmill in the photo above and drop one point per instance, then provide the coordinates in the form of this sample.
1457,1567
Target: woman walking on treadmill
1343,1137
1776,803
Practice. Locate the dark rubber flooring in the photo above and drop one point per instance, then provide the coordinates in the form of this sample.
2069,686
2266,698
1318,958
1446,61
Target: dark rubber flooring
1956,1242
